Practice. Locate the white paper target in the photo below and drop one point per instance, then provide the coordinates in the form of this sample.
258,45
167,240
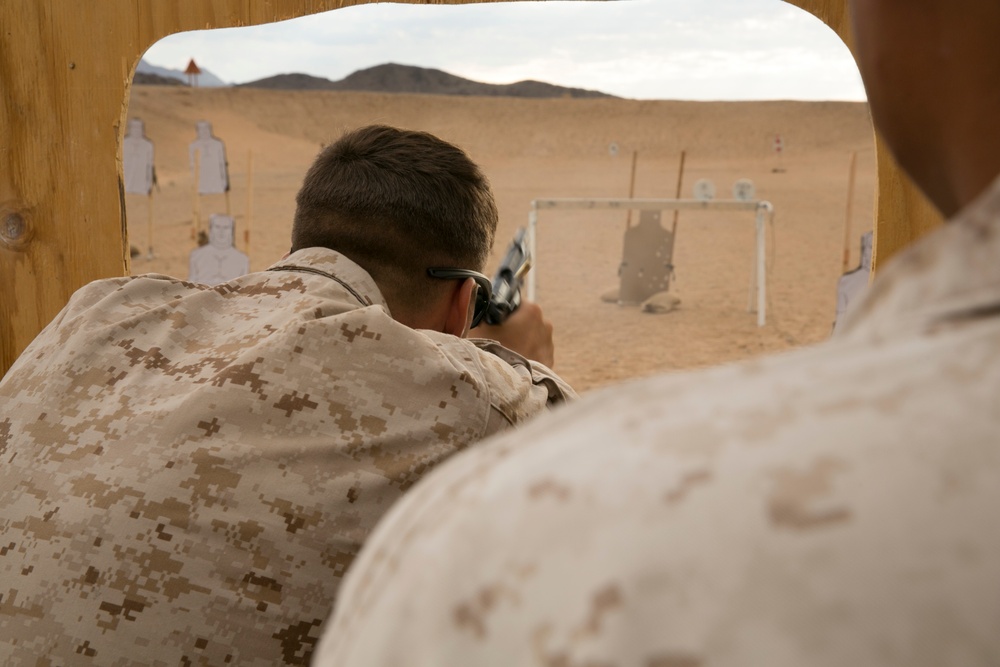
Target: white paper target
213,169
137,159
744,190
704,190
218,261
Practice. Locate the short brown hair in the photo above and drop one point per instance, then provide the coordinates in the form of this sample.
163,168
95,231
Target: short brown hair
397,202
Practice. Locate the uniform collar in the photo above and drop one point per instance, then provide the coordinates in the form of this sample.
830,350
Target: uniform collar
952,274
332,265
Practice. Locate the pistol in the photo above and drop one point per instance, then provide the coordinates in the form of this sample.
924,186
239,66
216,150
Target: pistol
507,280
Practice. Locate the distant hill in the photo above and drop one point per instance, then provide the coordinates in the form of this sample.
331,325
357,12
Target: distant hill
150,79
393,78
153,74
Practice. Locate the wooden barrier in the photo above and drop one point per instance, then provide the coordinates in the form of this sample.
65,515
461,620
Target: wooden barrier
65,75
902,213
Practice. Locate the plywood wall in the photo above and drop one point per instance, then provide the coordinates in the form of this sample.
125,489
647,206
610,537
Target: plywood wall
65,73
902,213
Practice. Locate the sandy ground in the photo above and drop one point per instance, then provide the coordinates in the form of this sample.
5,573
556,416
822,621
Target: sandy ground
536,149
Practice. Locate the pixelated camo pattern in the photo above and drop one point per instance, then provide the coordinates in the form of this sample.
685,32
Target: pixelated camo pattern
187,472
834,506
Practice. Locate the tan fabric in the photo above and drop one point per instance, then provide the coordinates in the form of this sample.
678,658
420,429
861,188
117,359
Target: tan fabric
186,472
835,506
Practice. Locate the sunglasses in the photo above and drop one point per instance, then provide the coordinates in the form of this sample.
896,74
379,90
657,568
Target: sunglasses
483,294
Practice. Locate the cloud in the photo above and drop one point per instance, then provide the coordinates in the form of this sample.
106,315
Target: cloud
646,49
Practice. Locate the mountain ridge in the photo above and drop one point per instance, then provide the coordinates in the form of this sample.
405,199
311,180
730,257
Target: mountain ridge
396,78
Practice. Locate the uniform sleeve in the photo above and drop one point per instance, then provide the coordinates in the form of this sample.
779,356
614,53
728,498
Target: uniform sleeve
519,388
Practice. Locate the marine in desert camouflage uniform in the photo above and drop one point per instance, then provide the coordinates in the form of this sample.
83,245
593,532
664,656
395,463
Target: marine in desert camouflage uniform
186,472
834,506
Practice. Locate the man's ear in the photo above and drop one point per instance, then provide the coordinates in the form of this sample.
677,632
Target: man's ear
460,309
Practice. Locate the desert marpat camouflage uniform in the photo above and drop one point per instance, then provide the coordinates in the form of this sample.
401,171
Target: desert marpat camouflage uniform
834,506
186,472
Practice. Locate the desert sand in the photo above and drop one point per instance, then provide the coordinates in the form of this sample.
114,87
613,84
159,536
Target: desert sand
535,149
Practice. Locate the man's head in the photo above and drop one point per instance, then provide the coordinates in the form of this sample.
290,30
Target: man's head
398,202
931,69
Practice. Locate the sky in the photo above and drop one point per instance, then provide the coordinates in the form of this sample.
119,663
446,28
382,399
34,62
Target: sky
639,49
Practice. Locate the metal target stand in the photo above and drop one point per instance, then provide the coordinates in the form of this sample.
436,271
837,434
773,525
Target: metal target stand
763,209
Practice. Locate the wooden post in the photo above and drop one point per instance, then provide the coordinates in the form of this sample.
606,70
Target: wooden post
249,222
62,220
680,185
196,213
850,205
902,213
149,225
631,189
673,230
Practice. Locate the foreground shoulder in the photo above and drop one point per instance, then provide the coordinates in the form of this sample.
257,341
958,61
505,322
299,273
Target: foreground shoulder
802,510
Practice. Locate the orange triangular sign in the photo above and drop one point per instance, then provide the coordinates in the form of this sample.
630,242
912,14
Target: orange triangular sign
192,68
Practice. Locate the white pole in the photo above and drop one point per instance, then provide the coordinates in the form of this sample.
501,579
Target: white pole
249,224
532,245
762,209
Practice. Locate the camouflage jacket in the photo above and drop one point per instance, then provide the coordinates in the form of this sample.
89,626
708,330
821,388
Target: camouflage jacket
832,506
187,471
